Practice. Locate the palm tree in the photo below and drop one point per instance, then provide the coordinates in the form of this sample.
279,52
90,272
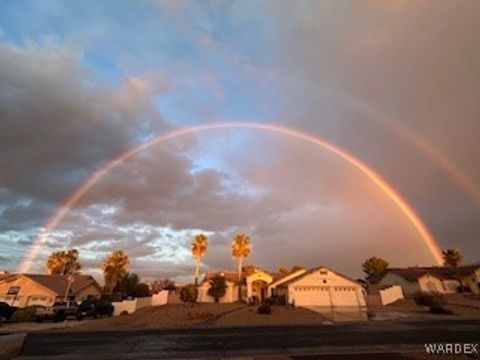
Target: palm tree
114,269
63,262
199,248
453,258
241,247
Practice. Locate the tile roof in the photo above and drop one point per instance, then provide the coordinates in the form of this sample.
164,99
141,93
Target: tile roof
230,276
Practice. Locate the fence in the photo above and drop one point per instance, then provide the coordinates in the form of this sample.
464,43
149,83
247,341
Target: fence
130,306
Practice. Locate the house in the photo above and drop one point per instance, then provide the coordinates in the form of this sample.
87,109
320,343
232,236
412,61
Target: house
323,287
33,289
430,279
411,280
316,287
253,286
468,275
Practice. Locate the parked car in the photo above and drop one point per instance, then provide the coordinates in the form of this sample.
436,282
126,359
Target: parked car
94,309
6,310
59,311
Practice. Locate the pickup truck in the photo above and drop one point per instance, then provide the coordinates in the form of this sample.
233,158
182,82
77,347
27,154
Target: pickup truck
59,311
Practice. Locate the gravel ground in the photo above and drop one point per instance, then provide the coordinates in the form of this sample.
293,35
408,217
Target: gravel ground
167,316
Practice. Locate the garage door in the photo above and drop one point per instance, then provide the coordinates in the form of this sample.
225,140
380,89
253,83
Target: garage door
344,296
311,296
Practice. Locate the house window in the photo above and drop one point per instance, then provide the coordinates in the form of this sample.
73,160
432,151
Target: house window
13,290
323,272
324,281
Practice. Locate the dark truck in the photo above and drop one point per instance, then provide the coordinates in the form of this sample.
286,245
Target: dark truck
94,309
59,311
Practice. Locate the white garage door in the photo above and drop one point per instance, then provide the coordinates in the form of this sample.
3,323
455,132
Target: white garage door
344,296
311,296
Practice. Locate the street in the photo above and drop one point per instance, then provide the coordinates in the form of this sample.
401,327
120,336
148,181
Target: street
380,337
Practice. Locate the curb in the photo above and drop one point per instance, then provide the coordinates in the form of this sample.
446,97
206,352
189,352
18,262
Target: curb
11,345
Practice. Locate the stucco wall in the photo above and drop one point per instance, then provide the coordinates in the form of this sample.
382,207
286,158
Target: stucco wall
408,287
130,306
390,294
430,283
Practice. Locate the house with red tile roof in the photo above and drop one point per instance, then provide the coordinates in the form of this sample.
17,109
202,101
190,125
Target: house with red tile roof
319,286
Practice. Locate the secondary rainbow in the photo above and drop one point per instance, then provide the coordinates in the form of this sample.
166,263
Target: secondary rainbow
376,178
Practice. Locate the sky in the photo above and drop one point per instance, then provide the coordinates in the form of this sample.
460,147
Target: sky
394,83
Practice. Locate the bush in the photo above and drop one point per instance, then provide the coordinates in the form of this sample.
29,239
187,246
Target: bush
430,299
24,314
440,310
264,309
269,301
463,289
189,293
142,290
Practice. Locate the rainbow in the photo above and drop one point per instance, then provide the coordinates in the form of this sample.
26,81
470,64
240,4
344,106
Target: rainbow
381,183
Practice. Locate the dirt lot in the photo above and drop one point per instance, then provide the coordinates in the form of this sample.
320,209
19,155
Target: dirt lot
281,315
167,316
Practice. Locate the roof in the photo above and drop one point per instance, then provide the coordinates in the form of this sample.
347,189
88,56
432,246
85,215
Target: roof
279,278
412,274
58,283
311,271
230,276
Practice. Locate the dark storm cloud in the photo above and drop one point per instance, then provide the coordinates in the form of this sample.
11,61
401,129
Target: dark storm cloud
57,124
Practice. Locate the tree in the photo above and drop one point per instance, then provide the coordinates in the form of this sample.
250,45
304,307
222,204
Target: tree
189,293
114,269
127,285
130,286
142,290
218,287
241,247
64,262
199,248
282,269
452,258
374,266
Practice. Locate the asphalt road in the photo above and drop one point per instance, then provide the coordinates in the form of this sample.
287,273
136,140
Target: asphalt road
379,337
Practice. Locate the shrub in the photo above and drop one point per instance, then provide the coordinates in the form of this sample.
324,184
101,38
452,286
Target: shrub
430,299
269,301
218,287
264,309
440,310
142,290
189,293
24,314
463,289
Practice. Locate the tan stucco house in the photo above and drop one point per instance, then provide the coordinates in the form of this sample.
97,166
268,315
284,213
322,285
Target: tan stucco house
316,287
253,286
32,289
